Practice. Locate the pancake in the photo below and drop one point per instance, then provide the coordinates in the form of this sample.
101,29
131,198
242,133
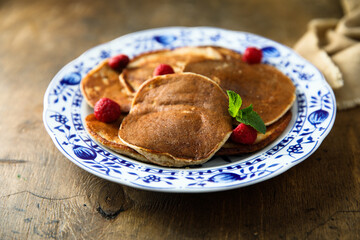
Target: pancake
141,67
103,81
229,54
107,135
272,132
177,120
270,91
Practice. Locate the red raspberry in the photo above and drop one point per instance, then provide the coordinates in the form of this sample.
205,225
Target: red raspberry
163,69
106,110
252,55
244,134
119,62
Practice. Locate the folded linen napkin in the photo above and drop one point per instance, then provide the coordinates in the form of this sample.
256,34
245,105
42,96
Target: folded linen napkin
333,46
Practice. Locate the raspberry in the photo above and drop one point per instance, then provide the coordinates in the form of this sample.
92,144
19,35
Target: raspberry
252,55
163,69
118,62
244,134
106,110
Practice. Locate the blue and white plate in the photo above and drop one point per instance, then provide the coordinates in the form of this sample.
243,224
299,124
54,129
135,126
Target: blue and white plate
313,116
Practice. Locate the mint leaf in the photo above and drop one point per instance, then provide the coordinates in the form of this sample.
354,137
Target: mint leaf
247,109
247,115
234,103
254,120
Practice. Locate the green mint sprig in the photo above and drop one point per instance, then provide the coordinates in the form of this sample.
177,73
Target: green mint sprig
247,115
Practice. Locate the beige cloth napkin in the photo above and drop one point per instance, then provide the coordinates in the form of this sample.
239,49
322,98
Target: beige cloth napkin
333,46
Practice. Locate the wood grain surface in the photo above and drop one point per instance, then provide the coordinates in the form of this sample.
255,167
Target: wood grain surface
45,196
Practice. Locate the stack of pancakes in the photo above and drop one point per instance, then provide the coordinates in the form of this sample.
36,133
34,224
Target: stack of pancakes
182,119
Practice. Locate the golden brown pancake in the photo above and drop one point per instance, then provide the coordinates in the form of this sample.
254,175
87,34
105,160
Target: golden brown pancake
103,81
177,120
272,132
228,54
107,135
270,91
141,67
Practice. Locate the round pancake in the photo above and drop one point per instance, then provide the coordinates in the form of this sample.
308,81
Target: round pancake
229,54
269,91
177,120
107,135
103,81
272,132
141,67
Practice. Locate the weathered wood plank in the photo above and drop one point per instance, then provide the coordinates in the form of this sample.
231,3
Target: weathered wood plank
44,196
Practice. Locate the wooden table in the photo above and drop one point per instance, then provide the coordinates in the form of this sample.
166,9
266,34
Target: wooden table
45,196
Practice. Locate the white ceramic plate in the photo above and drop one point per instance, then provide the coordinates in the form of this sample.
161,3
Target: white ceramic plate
313,116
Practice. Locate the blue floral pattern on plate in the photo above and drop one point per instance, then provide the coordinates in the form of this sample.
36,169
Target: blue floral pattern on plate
313,116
